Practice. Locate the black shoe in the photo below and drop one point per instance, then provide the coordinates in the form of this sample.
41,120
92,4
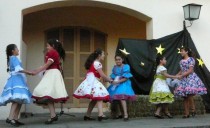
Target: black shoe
8,120
158,116
51,120
193,114
126,118
118,117
13,122
86,118
169,115
186,116
20,123
100,118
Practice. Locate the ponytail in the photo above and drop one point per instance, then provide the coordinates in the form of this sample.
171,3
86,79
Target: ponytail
7,63
92,57
9,53
58,47
158,59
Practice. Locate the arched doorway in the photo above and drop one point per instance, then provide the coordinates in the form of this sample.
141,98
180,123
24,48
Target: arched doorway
78,42
88,23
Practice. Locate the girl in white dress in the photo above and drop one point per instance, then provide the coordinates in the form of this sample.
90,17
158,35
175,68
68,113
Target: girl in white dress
51,89
91,87
160,93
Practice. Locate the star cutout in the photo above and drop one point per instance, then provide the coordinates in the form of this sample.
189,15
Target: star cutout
124,51
142,64
179,49
200,62
160,49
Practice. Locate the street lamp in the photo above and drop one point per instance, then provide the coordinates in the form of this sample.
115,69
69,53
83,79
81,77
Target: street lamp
191,12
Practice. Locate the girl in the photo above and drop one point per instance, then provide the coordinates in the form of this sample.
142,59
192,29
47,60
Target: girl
121,88
16,90
160,93
91,87
51,88
190,84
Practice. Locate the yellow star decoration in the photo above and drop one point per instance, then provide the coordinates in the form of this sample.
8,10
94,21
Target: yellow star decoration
142,64
200,62
124,51
179,49
160,49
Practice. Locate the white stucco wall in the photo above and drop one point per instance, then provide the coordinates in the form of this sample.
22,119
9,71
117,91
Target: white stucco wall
167,18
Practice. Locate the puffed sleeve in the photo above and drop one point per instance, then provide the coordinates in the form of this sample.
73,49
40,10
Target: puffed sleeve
126,71
161,69
16,64
191,62
52,56
113,75
97,65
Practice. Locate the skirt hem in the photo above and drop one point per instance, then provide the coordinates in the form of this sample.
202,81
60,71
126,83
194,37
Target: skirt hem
124,97
106,98
63,99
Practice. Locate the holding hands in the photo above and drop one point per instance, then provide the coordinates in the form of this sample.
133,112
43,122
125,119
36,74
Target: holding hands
110,80
179,77
27,72
32,72
115,82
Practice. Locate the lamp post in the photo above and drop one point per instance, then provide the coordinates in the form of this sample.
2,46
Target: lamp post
191,12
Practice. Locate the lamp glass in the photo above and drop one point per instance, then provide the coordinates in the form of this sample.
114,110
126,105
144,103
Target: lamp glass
194,12
186,12
191,11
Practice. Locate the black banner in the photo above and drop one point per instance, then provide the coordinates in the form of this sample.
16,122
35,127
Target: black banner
143,54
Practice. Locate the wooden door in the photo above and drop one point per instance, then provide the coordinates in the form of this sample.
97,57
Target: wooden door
78,43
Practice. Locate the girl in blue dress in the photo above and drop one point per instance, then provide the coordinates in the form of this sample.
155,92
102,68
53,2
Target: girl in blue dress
16,90
190,84
121,88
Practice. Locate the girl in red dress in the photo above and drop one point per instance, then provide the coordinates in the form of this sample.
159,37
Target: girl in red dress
51,88
91,87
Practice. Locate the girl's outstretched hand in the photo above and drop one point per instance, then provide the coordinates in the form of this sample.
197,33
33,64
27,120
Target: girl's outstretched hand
110,80
179,77
29,73
34,72
115,82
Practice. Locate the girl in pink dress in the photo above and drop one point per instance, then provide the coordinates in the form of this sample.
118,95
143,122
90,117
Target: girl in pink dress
91,87
190,84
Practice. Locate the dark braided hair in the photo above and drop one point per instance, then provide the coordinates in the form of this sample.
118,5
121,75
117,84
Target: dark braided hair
91,58
158,59
9,53
58,47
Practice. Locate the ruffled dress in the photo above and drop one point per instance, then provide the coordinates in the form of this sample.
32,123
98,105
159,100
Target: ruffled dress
16,88
160,92
191,84
51,88
122,91
91,87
